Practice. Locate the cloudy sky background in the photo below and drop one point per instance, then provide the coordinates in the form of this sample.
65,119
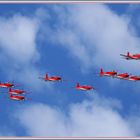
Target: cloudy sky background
73,41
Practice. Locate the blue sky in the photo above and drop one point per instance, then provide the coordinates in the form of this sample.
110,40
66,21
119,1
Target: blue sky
73,41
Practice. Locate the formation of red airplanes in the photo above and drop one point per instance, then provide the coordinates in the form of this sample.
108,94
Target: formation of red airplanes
113,74
14,94
58,78
124,76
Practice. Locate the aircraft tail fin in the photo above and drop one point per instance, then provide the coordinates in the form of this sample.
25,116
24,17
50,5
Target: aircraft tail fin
128,54
46,76
78,85
101,71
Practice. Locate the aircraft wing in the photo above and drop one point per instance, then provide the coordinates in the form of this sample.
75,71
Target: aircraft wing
125,56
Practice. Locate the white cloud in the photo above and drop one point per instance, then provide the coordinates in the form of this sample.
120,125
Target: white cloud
70,41
99,117
17,39
17,43
41,120
19,52
96,36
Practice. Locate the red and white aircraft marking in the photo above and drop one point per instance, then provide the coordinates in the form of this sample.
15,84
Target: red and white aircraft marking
6,85
122,76
129,56
53,78
134,78
110,73
16,91
15,97
85,87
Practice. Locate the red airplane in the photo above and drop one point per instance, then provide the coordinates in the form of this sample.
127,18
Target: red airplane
122,76
16,91
85,87
53,78
6,85
110,73
15,97
134,78
131,56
